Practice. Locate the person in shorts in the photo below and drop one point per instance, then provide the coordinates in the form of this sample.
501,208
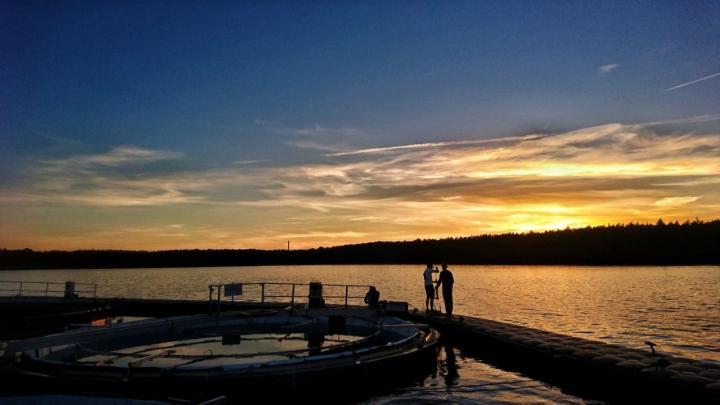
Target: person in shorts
429,288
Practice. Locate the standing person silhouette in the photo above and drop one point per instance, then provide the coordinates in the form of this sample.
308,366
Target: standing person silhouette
429,290
446,280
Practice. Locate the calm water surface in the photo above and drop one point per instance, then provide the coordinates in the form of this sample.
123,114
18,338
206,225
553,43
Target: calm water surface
676,307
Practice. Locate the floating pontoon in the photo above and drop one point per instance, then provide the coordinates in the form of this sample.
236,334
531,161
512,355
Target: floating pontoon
282,351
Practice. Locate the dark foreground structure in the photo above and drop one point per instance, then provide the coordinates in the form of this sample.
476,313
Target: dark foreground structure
219,350
268,355
582,367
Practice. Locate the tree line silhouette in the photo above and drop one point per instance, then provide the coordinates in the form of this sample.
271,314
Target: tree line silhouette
689,243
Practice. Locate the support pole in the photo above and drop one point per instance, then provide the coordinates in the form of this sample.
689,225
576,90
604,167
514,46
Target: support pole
219,299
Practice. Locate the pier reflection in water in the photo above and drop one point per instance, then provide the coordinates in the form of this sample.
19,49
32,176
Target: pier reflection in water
464,378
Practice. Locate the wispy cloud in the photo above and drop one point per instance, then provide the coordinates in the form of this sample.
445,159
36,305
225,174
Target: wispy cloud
698,119
605,69
432,145
320,131
314,145
604,174
119,156
319,137
675,201
702,79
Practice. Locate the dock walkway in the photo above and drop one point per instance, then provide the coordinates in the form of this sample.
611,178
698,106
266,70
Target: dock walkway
590,367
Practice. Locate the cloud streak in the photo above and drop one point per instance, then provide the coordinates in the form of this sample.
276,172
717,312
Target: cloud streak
119,156
702,79
605,69
317,137
598,175
430,145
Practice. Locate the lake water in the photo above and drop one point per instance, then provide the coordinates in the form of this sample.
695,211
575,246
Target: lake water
676,307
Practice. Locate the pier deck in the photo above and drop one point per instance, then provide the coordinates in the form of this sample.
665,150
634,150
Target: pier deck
616,373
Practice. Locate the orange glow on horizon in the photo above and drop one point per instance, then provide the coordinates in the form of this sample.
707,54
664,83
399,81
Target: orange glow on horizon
593,176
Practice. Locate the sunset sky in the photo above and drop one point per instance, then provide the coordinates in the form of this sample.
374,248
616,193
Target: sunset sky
156,125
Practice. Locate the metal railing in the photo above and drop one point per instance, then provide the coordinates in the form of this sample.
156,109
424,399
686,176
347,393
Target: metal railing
43,288
294,293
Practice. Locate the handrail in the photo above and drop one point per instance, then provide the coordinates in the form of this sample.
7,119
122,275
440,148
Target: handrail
44,287
215,292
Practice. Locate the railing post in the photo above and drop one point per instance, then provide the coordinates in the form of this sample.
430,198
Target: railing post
220,287
94,290
315,295
47,287
20,289
346,295
210,291
262,293
292,297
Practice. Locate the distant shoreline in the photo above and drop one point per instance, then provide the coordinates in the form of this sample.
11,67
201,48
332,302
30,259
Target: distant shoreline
673,244
366,264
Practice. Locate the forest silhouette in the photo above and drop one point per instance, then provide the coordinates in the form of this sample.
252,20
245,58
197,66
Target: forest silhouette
689,243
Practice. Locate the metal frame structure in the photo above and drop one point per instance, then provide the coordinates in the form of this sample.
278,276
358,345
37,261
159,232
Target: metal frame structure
45,288
215,293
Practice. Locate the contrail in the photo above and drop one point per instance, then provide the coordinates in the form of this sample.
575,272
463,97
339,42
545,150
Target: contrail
435,144
693,82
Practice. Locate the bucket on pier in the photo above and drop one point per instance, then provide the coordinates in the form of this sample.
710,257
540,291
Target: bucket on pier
315,296
70,289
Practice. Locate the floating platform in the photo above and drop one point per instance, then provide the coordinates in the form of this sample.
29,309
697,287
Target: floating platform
27,316
282,354
585,367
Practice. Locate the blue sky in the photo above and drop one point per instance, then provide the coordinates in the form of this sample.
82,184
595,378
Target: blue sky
281,84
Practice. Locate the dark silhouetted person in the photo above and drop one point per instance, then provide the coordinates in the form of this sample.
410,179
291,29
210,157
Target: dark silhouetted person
372,298
429,291
446,280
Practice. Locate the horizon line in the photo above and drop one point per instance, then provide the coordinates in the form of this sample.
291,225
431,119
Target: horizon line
543,231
